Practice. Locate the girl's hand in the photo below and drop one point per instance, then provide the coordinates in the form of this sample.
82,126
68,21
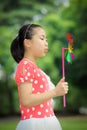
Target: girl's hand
61,88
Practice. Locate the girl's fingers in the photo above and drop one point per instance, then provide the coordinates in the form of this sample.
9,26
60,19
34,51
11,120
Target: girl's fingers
63,79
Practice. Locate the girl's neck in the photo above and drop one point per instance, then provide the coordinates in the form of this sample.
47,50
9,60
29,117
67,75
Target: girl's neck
30,59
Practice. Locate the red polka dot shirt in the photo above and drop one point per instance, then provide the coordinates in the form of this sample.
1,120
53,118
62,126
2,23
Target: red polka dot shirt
40,84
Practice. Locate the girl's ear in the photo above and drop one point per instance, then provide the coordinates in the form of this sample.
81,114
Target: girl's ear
27,43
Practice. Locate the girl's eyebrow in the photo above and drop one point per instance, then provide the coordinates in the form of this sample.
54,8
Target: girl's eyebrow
43,36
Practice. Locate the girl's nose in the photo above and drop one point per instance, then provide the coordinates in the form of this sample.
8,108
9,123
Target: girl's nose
46,43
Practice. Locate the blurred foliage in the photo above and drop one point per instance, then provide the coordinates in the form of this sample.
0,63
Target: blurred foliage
57,17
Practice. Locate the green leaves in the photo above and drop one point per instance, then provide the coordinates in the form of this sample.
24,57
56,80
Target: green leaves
57,21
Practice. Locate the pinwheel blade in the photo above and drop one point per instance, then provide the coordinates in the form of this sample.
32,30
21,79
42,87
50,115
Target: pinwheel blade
70,39
68,57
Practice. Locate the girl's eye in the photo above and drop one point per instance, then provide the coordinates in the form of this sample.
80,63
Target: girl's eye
43,39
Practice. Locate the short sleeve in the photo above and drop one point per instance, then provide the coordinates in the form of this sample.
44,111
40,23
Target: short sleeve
24,73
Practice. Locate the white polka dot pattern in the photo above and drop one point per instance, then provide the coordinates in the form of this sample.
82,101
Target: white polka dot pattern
39,113
28,74
35,82
22,80
28,110
41,105
40,84
33,108
22,112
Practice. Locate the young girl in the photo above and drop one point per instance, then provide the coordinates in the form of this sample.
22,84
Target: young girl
35,88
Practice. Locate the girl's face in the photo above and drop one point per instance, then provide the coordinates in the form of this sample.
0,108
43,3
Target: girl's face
39,45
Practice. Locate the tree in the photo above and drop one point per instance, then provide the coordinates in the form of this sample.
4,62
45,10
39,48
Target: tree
57,20
77,14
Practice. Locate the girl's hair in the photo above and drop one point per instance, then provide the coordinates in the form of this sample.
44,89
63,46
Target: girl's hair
17,45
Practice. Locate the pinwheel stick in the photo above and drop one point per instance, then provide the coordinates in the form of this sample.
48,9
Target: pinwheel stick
63,73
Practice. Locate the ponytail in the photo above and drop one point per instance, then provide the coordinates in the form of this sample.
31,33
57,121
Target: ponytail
16,51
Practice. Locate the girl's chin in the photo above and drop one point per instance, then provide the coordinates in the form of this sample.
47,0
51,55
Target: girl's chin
42,55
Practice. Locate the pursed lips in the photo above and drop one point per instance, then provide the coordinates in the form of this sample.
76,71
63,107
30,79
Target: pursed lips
46,49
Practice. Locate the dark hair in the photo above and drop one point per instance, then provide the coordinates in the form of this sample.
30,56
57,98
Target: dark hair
17,45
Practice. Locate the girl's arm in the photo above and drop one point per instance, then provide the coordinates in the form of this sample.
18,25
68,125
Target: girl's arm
28,99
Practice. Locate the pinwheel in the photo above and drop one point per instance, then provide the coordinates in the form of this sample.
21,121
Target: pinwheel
70,55
69,58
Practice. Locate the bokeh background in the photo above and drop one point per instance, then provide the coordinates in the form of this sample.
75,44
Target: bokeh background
57,17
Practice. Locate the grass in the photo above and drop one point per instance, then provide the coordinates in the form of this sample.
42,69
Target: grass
8,124
74,123
67,123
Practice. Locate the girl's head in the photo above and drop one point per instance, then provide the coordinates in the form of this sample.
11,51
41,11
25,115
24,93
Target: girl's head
25,34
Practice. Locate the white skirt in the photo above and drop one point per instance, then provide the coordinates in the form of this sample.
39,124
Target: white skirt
47,123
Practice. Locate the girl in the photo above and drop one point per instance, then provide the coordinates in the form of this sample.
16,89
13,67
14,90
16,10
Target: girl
35,89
